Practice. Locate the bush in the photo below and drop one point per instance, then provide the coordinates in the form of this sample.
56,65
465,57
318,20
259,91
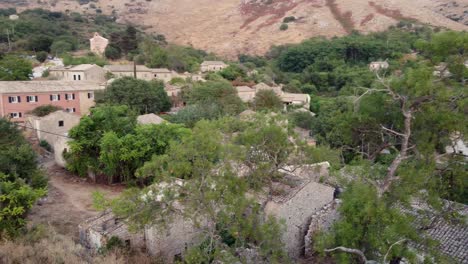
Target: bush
42,56
113,53
44,110
44,144
289,19
284,27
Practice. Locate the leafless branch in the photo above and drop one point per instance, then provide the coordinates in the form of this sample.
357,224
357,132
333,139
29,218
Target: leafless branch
390,249
350,251
392,131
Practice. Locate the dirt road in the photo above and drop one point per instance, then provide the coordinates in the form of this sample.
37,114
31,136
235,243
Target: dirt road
69,200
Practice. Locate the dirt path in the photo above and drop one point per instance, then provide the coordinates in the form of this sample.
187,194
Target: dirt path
69,200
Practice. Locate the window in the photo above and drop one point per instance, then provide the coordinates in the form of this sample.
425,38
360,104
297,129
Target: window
76,77
16,115
32,99
60,123
71,110
70,96
90,95
54,97
14,99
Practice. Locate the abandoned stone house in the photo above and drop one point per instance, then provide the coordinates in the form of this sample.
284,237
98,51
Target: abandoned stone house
82,72
378,65
53,128
142,72
98,44
97,231
212,66
247,94
295,202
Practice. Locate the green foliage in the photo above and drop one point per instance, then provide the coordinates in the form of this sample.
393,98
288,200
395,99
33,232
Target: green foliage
142,96
88,59
42,56
289,19
284,27
220,93
87,135
267,100
44,144
232,72
13,68
21,182
113,52
43,30
191,114
110,142
368,224
201,160
44,110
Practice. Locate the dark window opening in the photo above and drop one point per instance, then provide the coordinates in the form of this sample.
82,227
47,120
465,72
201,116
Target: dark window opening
60,123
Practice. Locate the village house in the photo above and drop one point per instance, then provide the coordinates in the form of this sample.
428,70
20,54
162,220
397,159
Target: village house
82,72
212,66
98,44
247,94
53,128
97,231
142,72
295,202
378,65
17,98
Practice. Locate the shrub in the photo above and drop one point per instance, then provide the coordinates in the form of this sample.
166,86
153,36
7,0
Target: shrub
284,27
289,19
44,144
41,56
44,110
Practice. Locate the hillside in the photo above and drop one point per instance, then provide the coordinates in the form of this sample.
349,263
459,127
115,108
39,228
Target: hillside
230,27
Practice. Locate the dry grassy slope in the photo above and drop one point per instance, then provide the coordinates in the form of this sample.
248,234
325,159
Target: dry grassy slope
229,27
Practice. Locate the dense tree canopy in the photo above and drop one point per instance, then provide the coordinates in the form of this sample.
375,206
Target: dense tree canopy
13,68
21,182
142,96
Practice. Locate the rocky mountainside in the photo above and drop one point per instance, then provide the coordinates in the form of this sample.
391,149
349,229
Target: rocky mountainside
230,27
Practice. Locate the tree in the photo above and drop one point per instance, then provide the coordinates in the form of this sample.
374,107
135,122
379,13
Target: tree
143,96
220,93
41,56
232,72
60,47
40,43
411,174
13,68
267,100
21,182
87,135
113,52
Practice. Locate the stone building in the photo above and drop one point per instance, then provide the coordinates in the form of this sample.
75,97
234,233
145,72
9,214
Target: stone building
142,72
98,44
378,65
82,72
173,241
54,128
247,94
297,202
17,98
212,66
97,231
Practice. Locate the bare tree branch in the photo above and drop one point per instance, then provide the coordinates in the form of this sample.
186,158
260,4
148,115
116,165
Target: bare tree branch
390,248
350,251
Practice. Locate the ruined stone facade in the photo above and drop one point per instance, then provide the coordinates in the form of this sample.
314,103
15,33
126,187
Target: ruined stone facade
98,44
